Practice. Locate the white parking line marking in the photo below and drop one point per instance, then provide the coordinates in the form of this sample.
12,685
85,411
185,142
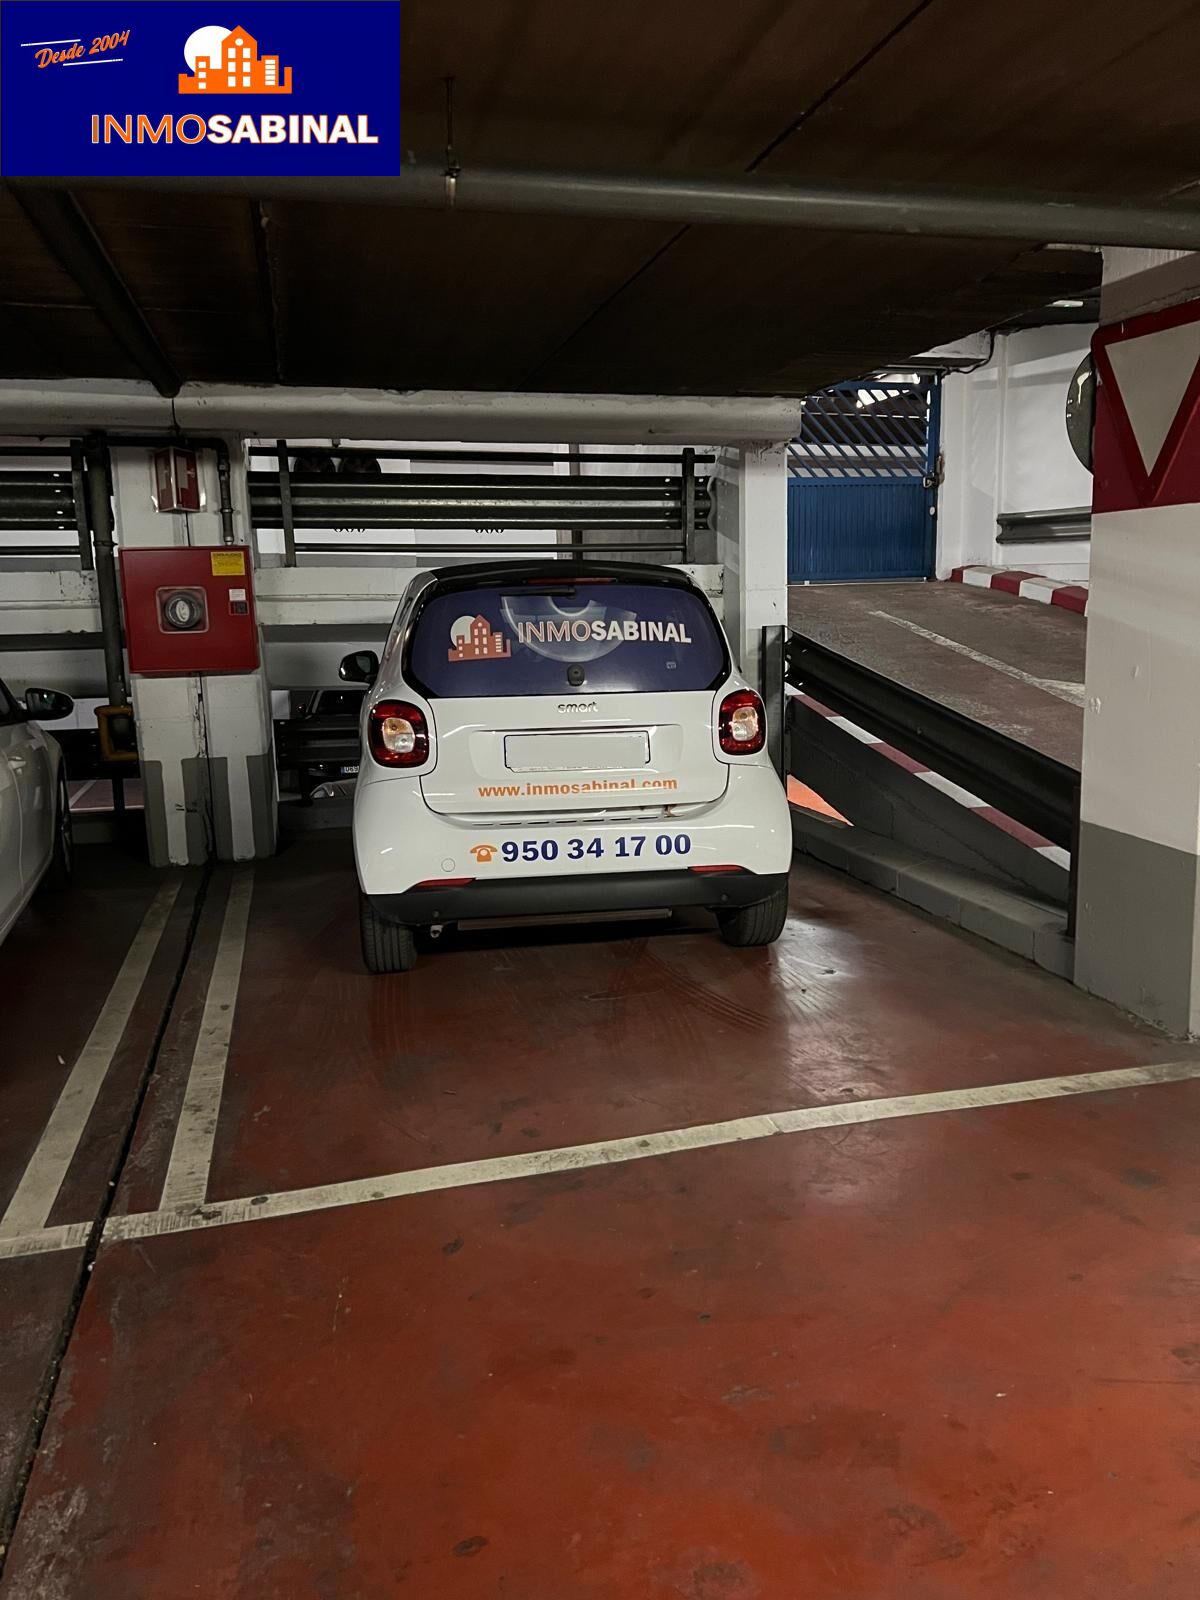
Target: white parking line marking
1061,689
46,1241
43,1177
191,1154
571,1158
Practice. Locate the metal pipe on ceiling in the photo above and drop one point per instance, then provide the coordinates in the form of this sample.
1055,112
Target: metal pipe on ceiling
427,547
41,407
658,197
506,457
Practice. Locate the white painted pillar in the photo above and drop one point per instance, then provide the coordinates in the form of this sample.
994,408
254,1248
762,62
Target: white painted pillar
751,495
1138,939
205,743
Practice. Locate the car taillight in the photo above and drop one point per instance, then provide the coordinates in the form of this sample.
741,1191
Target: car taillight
741,723
398,734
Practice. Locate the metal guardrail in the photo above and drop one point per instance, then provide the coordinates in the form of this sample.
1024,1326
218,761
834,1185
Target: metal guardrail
476,501
347,490
1023,783
1044,527
45,499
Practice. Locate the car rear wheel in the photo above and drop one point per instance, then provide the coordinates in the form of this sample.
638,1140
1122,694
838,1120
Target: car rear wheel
761,923
386,946
58,874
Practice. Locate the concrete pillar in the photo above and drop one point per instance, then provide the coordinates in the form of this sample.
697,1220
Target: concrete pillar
751,492
205,742
1138,940
751,495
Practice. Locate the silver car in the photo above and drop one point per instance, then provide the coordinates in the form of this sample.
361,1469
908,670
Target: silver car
35,815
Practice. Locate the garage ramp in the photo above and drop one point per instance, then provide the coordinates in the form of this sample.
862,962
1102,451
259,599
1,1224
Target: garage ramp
1006,662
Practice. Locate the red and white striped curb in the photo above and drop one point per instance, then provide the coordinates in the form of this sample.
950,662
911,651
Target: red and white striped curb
1016,830
1029,585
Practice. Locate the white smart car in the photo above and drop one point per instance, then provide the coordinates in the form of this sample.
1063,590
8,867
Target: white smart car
35,817
548,738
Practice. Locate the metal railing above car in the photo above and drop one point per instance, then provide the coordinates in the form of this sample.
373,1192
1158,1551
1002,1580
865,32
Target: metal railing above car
312,490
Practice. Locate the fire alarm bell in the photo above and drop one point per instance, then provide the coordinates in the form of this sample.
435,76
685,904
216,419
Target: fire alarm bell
189,611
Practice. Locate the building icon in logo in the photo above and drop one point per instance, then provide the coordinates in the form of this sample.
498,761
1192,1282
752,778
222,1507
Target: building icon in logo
227,62
475,640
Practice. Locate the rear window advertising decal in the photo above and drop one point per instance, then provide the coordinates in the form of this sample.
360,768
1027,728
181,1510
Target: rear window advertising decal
635,638
474,639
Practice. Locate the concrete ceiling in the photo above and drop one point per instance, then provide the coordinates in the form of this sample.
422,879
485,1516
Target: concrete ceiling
998,93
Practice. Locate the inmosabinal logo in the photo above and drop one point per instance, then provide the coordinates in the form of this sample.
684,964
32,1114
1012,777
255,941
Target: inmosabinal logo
226,61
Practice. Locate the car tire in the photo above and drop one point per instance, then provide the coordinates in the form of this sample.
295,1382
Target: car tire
761,923
386,946
58,873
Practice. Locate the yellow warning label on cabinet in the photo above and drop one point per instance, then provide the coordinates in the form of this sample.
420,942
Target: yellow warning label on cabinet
229,563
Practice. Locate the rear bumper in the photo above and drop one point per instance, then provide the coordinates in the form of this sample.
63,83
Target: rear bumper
564,896
399,841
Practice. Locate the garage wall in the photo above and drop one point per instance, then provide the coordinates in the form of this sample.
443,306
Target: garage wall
270,540
312,614
50,631
1005,448
359,541
331,603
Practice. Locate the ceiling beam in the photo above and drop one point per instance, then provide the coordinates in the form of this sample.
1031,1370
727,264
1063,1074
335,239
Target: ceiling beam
65,230
656,197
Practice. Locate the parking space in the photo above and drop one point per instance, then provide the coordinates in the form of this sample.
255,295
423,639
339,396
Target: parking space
81,1017
598,1259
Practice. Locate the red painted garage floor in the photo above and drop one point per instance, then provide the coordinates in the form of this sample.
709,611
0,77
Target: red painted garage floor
946,1354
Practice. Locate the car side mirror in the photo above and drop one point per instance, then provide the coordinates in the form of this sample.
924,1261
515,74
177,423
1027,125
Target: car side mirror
360,666
47,705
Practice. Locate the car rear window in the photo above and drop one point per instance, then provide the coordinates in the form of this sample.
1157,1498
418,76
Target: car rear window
605,638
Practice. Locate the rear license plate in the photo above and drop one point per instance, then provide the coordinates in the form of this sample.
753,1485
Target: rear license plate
576,752
348,772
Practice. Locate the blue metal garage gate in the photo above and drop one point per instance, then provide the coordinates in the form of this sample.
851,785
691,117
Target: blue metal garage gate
862,493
